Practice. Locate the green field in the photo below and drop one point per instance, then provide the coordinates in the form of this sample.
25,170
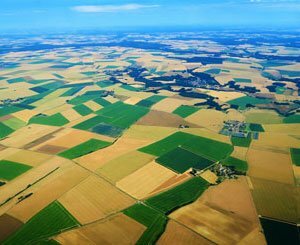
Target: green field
180,195
5,130
102,102
208,148
105,83
48,222
238,164
214,71
83,110
83,98
14,123
292,119
130,88
53,120
243,101
185,110
151,100
242,80
295,154
277,232
89,123
243,142
122,115
256,127
180,160
107,129
10,170
84,148
152,219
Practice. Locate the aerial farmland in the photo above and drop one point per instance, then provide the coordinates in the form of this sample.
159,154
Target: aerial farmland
176,139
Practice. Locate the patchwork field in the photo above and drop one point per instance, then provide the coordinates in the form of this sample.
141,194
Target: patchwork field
113,230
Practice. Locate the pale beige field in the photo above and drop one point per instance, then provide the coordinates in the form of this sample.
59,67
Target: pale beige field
71,115
167,105
163,119
118,229
124,165
122,146
30,158
142,182
208,118
25,115
27,134
270,166
232,196
93,105
291,128
240,152
180,235
219,227
48,191
94,199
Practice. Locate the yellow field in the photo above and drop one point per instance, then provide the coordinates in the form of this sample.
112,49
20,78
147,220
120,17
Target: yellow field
180,235
216,226
208,118
207,134
209,176
93,105
119,229
122,146
30,158
132,100
71,115
25,115
240,152
168,104
124,165
27,134
142,182
94,199
70,137
270,166
290,128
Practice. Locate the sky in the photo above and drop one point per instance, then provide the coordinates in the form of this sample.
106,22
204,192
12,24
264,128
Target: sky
27,15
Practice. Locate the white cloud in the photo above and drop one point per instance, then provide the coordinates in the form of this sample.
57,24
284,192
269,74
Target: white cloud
110,8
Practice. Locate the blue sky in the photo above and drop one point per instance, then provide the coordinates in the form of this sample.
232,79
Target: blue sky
107,15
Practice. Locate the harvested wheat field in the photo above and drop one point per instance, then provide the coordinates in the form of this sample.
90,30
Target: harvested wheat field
217,226
291,128
48,190
232,196
122,146
270,165
178,234
118,229
51,149
94,199
163,119
30,158
124,165
28,134
25,115
8,225
168,105
240,152
70,137
71,115
271,139
175,180
142,182
149,133
208,118
209,176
